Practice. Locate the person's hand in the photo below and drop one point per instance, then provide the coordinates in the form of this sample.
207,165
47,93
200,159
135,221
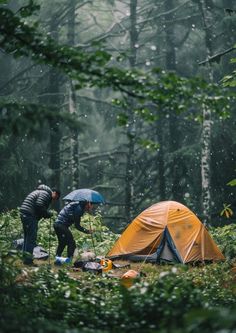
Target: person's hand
50,214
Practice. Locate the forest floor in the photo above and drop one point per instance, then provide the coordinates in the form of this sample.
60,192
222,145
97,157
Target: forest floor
77,272
133,269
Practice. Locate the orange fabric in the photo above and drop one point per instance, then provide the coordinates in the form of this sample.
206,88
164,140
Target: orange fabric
189,235
141,233
128,278
184,228
130,274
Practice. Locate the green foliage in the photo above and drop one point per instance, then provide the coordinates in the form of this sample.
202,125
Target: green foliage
230,79
9,230
232,182
10,227
226,239
91,67
148,144
170,93
227,211
98,303
24,39
19,118
166,298
102,238
100,241
21,37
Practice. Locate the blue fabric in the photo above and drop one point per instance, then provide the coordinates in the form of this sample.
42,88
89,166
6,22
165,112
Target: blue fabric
65,239
30,228
172,246
161,246
85,194
166,237
70,214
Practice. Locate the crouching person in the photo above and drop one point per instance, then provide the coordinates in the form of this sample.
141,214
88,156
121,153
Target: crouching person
34,207
70,214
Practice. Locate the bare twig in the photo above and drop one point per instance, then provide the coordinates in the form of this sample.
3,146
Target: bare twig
216,57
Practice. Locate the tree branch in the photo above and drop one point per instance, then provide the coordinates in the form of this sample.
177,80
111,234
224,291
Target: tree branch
216,57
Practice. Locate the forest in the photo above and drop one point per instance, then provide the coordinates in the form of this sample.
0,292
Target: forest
136,100
145,85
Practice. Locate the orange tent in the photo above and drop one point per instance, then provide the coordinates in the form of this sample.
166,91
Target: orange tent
166,231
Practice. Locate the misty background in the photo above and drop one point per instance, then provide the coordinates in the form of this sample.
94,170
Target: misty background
132,162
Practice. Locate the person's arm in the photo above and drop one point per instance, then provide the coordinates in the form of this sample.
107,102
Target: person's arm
77,219
41,204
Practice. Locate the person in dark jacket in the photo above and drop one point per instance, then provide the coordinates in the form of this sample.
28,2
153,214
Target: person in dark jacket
70,214
34,207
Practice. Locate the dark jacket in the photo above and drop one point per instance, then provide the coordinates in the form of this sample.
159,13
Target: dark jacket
71,214
37,203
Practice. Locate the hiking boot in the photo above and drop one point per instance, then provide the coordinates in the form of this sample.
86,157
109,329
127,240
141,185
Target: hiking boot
62,261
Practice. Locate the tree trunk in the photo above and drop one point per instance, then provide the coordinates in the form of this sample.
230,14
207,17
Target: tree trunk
55,134
174,135
54,162
161,160
206,123
131,132
74,141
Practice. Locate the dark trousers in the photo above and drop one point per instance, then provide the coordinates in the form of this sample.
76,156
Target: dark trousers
30,228
65,238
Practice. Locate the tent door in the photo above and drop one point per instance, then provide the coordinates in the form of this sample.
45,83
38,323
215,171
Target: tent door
167,251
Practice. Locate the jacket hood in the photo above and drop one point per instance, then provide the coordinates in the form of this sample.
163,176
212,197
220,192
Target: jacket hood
44,188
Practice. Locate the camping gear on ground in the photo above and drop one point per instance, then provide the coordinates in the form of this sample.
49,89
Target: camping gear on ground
128,278
38,253
79,263
88,266
116,265
106,264
87,255
85,195
167,231
92,267
61,260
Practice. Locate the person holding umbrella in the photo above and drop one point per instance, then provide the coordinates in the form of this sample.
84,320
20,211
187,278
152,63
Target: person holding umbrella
70,214
80,201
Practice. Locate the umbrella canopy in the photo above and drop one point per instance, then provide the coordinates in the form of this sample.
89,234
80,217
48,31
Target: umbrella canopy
85,194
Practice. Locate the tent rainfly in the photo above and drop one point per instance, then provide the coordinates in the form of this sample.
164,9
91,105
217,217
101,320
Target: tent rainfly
166,231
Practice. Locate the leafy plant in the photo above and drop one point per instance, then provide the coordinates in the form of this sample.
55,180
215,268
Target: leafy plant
177,298
227,211
226,239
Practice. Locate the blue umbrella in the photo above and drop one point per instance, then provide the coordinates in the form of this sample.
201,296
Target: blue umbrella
85,194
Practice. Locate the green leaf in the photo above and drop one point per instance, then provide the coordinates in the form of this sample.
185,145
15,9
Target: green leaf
122,119
232,182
